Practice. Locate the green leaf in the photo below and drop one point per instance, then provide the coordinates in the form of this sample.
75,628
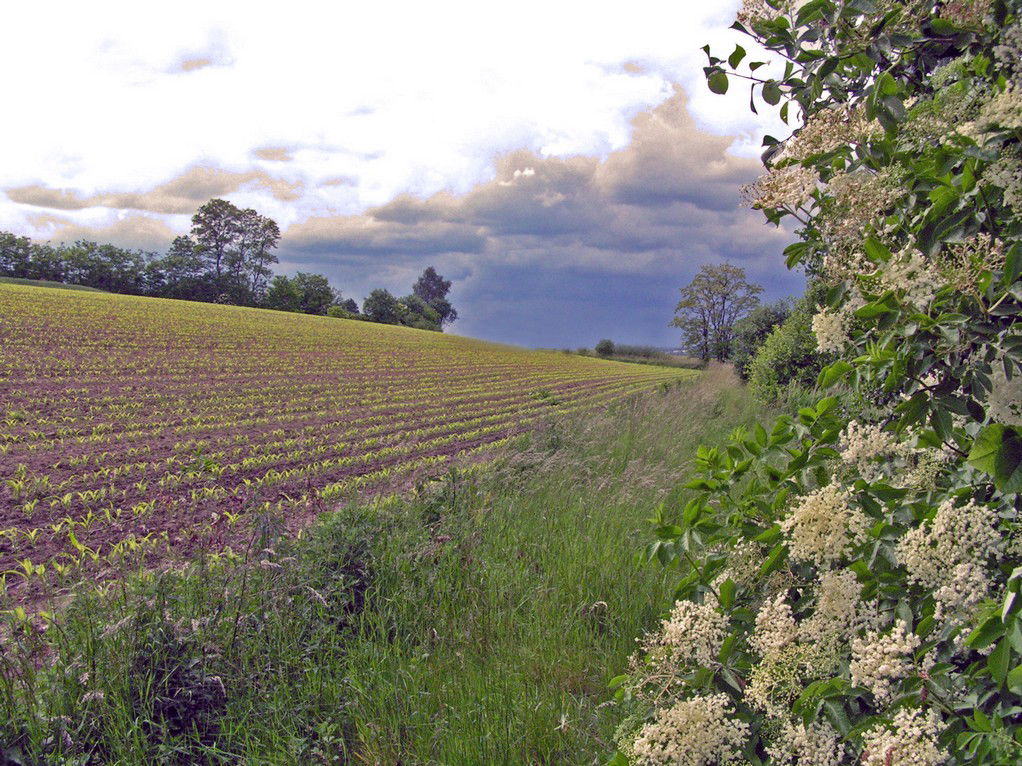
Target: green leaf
717,82
832,374
771,93
736,57
997,662
727,592
773,559
997,451
1014,679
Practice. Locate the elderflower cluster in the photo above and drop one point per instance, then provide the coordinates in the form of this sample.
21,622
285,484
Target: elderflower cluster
817,744
839,611
909,273
965,13
1009,50
775,627
831,330
1004,110
965,262
779,678
910,740
853,194
787,187
693,633
949,555
697,732
830,129
1004,402
862,443
824,527
1006,173
881,659
757,11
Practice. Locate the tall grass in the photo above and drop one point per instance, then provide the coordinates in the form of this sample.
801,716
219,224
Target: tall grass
474,623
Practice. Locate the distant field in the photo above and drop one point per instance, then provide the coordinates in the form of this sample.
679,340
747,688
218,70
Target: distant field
46,283
132,424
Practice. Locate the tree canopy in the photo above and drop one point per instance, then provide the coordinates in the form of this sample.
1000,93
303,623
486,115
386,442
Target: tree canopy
710,306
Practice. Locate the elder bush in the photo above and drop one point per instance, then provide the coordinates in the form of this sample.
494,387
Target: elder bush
858,581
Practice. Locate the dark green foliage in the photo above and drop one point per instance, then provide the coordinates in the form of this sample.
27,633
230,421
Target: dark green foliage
605,347
433,288
787,363
382,306
710,305
752,330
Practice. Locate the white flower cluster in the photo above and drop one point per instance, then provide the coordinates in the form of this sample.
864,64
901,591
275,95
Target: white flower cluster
857,199
839,611
753,11
955,545
1006,173
1004,110
823,526
964,262
818,744
910,274
1004,402
1009,50
830,129
831,330
775,627
965,13
881,659
862,443
694,732
693,633
787,187
910,741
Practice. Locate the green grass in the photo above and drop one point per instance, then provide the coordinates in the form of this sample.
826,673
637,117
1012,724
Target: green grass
47,283
477,622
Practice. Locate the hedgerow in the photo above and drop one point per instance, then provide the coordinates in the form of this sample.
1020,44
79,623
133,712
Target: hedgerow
849,584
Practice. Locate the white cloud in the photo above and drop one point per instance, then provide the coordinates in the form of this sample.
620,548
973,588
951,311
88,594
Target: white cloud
394,96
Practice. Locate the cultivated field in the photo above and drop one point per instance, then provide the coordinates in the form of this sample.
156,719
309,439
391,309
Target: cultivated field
132,425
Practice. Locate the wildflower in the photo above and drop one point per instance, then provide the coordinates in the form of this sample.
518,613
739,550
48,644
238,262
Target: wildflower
830,129
780,677
965,13
881,659
696,732
949,555
850,195
1004,402
1004,110
775,627
911,738
862,444
823,527
787,187
913,277
757,11
838,610
817,744
693,633
830,329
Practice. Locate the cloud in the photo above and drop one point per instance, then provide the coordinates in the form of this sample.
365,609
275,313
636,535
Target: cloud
133,231
274,154
670,195
181,195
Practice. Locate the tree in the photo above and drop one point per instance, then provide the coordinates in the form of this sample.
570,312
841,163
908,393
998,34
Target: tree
709,307
418,313
316,294
283,295
433,289
605,347
382,306
216,229
15,255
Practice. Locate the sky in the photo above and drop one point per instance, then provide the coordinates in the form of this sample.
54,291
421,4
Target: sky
563,163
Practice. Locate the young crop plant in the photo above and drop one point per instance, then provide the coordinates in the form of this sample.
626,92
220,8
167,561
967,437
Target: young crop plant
851,579
193,410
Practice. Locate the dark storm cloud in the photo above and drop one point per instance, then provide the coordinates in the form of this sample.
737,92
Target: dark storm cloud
563,251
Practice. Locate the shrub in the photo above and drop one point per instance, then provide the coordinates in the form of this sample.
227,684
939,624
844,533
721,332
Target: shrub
752,331
849,588
605,347
788,361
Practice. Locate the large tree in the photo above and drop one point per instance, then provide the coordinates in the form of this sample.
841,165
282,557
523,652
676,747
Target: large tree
433,288
710,306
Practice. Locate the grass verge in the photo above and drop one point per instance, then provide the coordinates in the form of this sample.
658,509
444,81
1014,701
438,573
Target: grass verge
475,623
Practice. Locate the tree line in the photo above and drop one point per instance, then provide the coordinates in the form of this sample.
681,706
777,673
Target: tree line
227,257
